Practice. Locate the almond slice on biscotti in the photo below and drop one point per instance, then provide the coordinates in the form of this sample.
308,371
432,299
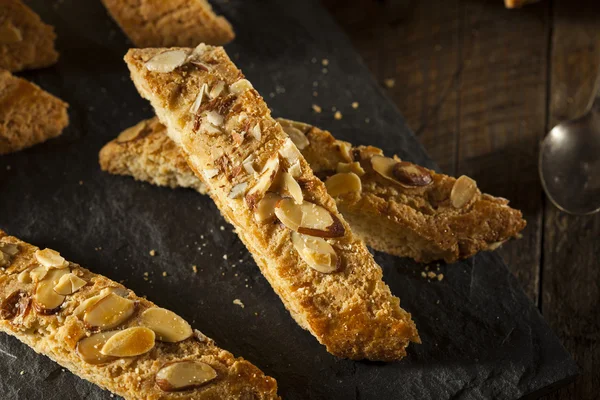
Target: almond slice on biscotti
326,277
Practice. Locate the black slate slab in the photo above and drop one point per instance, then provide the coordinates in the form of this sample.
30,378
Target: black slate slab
482,338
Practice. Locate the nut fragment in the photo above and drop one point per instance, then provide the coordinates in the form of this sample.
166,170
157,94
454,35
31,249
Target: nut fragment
342,183
89,348
238,190
385,167
345,150
210,173
316,252
410,174
184,375
463,191
240,87
265,209
38,273
295,169
109,312
17,303
297,136
308,218
198,102
25,276
216,90
9,33
129,342
351,167
51,259
290,152
168,326
167,61
256,132
69,284
264,181
45,300
289,186
90,302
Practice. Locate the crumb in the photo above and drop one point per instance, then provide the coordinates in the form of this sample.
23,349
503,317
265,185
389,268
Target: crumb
152,252
337,115
325,62
222,228
238,302
355,105
224,256
316,108
389,83
423,274
195,269
440,277
22,372
164,273
431,274
80,183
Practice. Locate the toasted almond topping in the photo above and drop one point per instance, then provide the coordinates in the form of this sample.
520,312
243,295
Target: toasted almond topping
209,128
290,186
295,169
217,89
38,273
342,183
238,190
130,342
256,132
240,87
167,61
264,181
289,151
463,191
308,218
90,302
168,326
25,276
214,118
316,252
410,174
297,136
210,173
89,348
265,209
45,300
238,137
184,375
384,166
351,167
109,312
51,259
69,284
198,102
345,150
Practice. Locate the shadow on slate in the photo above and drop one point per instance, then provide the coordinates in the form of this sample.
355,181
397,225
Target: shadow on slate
482,338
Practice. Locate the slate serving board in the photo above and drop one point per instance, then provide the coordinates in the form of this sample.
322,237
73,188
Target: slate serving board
482,338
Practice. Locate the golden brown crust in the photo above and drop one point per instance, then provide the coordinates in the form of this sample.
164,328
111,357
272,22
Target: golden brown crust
57,335
518,3
420,224
28,114
164,23
350,311
25,41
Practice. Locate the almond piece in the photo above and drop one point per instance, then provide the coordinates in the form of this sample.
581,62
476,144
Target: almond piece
463,191
265,209
210,173
69,284
216,90
240,87
264,181
17,303
385,167
316,253
198,102
38,273
167,61
9,33
342,183
410,174
295,169
168,326
109,312
184,375
351,167
25,276
345,149
88,303
238,190
290,152
51,259
289,186
308,218
256,132
298,137
130,342
45,300
89,348
9,249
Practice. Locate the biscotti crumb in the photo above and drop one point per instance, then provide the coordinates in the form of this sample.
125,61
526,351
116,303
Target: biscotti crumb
164,273
317,108
238,302
224,256
390,83
325,62
440,277
195,269
337,115
152,252
431,274
355,105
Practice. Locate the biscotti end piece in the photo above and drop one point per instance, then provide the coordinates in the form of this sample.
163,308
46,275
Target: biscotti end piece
145,152
160,23
103,332
28,114
25,41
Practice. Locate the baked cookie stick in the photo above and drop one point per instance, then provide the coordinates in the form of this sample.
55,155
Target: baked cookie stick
25,41
164,23
413,218
28,114
323,273
104,333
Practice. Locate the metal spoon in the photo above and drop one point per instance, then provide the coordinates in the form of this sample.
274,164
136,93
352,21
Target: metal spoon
570,163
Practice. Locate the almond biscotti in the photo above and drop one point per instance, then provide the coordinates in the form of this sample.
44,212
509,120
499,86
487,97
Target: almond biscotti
104,333
25,41
406,210
28,114
164,23
323,273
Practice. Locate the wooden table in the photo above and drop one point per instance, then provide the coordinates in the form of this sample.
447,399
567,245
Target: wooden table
481,85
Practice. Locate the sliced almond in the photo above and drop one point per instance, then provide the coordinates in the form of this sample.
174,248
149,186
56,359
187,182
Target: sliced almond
10,249
214,118
168,326
240,87
290,186
109,312
38,273
216,90
9,33
342,183
184,375
238,190
385,167
308,218
90,302
45,300
345,149
264,181
410,174
316,252
297,136
130,342
295,169
198,102
210,173
89,348
256,132
69,284
25,276
265,209
290,152
167,61
463,191
51,259
209,128
354,167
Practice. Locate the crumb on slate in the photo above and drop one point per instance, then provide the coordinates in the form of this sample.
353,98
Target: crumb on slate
238,302
152,253
316,108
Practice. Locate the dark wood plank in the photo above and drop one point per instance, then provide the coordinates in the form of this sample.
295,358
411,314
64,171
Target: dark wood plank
570,275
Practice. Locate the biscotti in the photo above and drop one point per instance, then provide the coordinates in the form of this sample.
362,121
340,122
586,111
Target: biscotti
165,23
103,332
25,41
28,114
323,273
415,217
